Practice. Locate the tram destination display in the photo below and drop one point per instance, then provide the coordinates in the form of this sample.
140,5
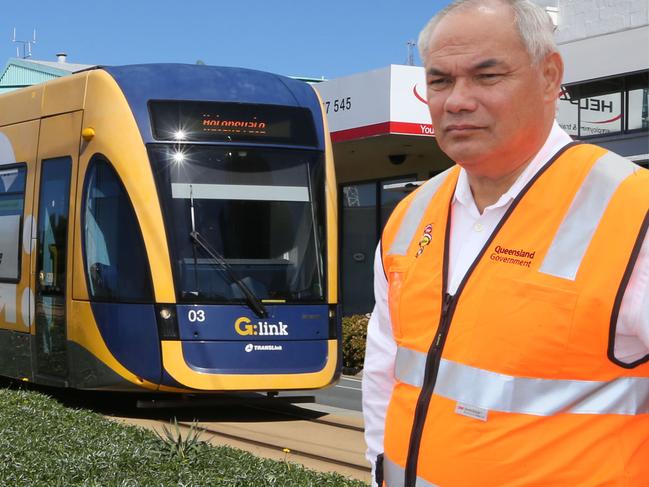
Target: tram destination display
187,121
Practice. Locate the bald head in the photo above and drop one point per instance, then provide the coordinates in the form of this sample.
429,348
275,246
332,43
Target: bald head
532,23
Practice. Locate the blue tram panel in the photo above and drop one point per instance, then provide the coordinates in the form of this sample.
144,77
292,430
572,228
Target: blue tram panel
256,357
230,339
223,322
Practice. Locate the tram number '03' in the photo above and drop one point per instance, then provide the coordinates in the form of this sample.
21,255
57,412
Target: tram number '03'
196,315
339,105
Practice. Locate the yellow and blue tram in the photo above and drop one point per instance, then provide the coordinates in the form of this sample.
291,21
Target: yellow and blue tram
168,228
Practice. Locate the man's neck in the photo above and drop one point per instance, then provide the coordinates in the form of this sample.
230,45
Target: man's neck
487,190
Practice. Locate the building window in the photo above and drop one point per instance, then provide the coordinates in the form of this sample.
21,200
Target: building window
638,109
600,115
12,199
366,208
605,107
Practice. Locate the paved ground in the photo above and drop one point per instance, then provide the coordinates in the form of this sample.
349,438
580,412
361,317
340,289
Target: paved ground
346,394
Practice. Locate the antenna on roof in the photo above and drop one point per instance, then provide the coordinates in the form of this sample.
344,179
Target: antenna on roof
411,57
26,45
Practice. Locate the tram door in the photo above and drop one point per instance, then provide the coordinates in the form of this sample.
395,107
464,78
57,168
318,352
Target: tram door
58,152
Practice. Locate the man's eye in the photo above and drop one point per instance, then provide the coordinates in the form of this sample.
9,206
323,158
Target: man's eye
489,76
437,82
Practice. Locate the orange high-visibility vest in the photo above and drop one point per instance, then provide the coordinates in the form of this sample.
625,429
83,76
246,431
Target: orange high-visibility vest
513,381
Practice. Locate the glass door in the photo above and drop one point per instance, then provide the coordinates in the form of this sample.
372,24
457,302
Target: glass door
51,263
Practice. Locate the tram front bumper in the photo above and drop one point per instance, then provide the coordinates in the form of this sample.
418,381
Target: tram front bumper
250,365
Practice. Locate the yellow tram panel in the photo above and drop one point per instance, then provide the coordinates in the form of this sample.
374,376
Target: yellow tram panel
332,213
23,105
109,114
64,95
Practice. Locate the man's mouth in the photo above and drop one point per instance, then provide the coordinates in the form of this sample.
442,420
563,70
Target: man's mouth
461,128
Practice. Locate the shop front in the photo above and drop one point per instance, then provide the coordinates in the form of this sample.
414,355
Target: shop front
384,145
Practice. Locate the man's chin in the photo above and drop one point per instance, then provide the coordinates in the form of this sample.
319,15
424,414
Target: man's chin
464,153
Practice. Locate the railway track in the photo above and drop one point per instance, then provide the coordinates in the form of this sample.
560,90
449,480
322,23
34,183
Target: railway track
323,441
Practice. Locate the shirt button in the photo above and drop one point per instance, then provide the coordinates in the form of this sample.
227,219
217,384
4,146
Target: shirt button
478,227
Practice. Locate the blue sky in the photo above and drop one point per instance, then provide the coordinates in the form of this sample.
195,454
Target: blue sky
307,38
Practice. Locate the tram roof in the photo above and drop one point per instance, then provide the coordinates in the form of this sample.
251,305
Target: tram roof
141,83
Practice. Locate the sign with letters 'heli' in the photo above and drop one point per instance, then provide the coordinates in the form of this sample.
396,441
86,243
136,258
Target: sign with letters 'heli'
596,115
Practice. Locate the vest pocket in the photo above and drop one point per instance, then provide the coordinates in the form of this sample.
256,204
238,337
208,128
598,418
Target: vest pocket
524,327
396,277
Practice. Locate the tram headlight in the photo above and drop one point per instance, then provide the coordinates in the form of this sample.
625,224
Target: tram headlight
178,157
167,322
335,321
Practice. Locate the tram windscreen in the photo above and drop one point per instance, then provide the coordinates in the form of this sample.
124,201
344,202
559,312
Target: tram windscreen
262,210
192,121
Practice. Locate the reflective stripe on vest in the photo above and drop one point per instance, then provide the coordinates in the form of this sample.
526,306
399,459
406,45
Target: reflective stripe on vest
578,227
539,397
415,213
394,475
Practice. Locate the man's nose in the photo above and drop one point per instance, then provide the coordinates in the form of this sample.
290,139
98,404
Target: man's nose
461,97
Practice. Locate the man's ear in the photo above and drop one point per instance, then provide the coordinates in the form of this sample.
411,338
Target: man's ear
552,75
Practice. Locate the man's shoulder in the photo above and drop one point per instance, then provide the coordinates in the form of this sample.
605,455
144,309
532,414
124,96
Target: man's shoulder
612,162
600,162
419,198
427,190
608,173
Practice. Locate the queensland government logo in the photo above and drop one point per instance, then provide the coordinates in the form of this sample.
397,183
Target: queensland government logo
244,327
519,257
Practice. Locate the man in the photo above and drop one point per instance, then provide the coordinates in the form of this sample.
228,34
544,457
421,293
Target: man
509,344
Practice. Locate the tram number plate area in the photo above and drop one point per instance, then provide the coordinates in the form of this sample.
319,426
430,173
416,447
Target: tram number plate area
239,323
196,315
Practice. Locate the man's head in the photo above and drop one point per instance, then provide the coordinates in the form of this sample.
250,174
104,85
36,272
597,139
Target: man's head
493,75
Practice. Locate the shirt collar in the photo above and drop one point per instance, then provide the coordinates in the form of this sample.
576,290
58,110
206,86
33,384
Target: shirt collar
557,139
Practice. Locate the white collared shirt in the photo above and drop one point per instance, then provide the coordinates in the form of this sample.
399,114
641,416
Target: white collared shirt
469,232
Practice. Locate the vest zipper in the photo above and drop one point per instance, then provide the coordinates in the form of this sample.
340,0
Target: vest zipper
433,360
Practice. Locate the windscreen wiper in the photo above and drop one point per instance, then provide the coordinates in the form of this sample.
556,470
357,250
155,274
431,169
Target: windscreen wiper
253,301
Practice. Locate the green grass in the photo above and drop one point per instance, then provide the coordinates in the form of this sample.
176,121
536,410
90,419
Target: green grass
43,443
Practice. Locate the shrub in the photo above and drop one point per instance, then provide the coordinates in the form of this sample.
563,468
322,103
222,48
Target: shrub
174,444
354,336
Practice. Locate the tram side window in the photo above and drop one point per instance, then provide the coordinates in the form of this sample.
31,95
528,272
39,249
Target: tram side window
12,199
116,262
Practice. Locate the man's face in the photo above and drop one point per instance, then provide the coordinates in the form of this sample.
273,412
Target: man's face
486,99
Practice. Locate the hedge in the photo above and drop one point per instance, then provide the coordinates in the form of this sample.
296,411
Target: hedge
354,337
